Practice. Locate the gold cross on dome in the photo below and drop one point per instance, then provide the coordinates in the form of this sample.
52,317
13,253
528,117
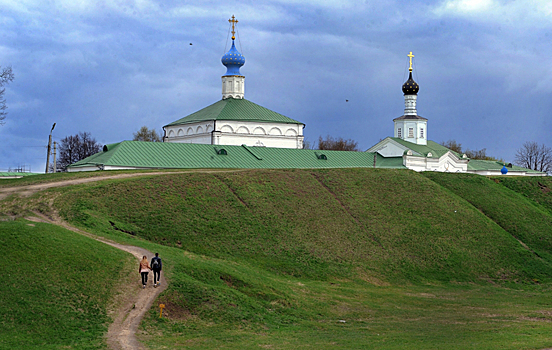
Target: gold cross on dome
410,55
233,20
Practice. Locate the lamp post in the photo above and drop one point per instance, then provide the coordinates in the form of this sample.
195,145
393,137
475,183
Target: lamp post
49,148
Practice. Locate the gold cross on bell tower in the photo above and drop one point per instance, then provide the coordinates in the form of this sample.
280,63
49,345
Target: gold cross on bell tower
233,20
409,55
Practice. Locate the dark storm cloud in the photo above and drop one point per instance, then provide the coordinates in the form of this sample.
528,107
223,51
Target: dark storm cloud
111,67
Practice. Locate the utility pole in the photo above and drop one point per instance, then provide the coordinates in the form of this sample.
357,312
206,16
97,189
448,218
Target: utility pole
55,152
49,148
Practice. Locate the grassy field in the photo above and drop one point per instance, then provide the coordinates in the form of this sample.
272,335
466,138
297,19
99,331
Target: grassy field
56,287
222,304
324,259
316,224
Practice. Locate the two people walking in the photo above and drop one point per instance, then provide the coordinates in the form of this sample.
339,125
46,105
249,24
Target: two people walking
145,268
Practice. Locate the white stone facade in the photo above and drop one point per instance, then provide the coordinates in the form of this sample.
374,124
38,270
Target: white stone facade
237,133
411,130
448,162
233,86
410,105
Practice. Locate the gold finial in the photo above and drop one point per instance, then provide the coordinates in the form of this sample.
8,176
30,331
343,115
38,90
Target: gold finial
410,55
234,21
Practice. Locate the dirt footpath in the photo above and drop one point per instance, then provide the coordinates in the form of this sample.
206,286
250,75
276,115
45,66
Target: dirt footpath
25,191
136,301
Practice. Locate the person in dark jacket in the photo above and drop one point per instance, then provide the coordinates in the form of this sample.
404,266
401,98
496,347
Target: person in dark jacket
156,266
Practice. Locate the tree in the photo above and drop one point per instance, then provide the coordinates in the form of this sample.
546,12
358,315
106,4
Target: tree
471,154
76,147
480,154
338,144
6,75
145,134
453,146
533,156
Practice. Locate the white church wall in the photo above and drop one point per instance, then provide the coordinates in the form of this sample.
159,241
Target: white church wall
447,163
231,132
412,131
233,86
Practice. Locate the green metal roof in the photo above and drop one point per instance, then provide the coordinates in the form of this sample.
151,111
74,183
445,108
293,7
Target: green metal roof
15,174
235,109
436,149
477,164
140,154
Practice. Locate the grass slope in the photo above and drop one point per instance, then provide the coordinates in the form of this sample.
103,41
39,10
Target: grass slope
315,224
523,218
55,288
538,189
351,258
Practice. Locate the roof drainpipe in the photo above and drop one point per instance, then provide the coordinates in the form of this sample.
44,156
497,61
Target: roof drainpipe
213,132
375,157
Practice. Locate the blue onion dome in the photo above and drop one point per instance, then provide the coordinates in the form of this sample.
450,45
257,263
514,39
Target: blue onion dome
233,60
410,87
504,170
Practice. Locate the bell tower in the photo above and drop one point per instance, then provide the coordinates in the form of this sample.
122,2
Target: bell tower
233,83
411,127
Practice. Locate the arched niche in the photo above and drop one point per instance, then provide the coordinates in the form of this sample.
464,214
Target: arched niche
259,131
242,130
291,132
275,131
226,128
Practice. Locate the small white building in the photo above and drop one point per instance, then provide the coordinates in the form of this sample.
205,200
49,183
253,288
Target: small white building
411,143
235,120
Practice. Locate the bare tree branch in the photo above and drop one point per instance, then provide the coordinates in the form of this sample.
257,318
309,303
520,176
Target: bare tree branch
76,147
338,144
453,146
6,76
533,156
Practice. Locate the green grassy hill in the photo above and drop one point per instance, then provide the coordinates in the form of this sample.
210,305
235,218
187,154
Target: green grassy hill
393,224
351,258
56,287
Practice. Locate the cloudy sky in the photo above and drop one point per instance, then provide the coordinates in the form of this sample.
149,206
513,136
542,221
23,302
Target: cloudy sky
108,67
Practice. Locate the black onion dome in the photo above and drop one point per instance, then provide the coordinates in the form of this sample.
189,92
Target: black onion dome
410,87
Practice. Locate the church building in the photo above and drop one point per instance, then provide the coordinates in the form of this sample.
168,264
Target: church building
235,120
410,141
235,133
